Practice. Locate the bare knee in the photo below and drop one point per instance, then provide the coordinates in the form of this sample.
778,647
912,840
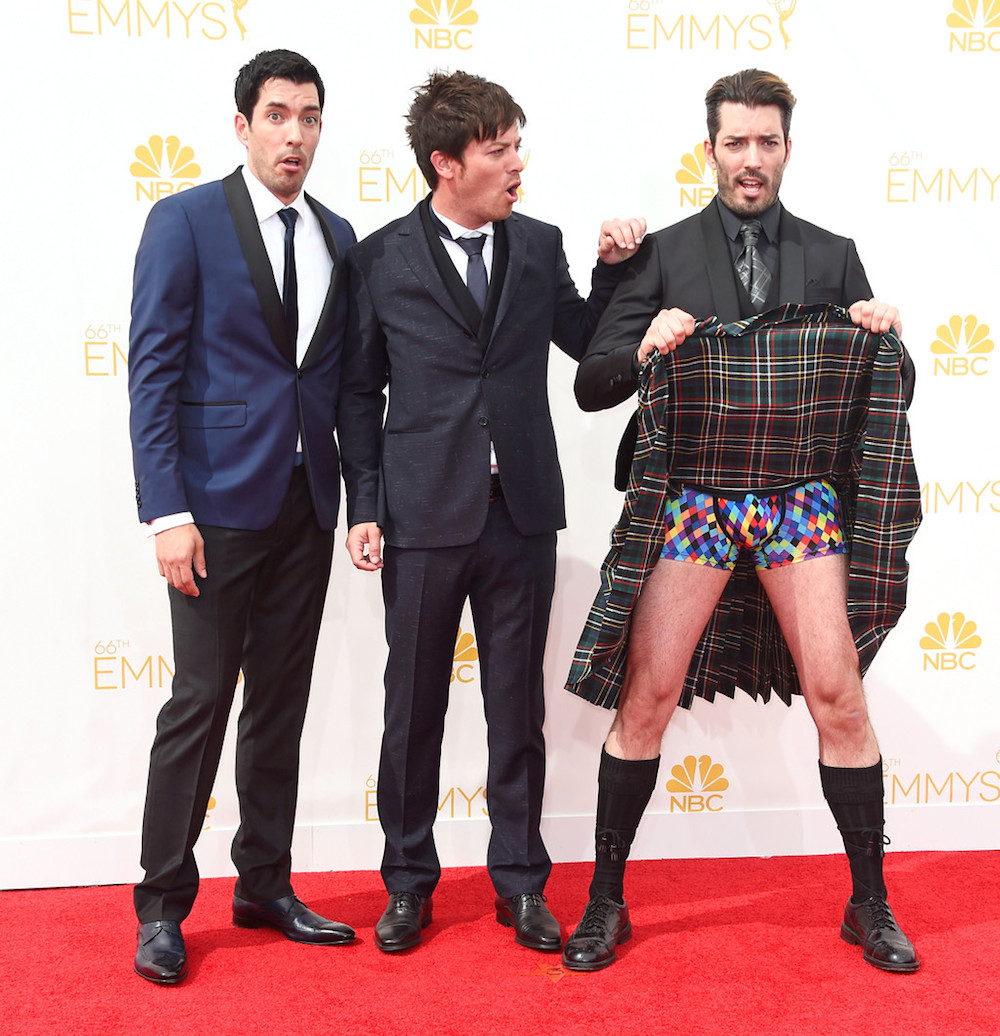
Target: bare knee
647,703
837,704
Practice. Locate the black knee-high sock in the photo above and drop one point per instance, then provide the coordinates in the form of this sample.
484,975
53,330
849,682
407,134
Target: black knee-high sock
624,787
855,796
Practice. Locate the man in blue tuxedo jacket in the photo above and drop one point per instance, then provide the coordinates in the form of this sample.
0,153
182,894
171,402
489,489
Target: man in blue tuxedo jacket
453,308
238,317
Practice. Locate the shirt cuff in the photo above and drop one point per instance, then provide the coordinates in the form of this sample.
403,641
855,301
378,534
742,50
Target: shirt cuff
169,521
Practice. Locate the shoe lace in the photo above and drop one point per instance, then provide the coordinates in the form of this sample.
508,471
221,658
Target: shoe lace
880,914
594,920
405,901
532,899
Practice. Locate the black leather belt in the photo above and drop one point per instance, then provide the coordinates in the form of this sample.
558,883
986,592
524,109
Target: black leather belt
496,489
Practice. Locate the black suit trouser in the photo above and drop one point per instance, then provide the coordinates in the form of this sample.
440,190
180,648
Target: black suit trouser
508,579
260,609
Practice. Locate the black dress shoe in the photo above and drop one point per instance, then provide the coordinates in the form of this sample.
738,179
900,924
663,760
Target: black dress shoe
532,921
871,925
293,919
605,924
401,925
160,955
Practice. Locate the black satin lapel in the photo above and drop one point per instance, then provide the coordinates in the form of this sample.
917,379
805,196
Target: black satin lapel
791,260
453,282
261,274
321,336
719,265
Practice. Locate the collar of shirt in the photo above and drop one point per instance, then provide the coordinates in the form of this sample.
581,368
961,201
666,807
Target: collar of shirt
455,251
767,245
769,221
313,263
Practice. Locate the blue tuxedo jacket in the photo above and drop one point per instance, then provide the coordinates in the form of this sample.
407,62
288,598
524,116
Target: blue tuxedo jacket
217,397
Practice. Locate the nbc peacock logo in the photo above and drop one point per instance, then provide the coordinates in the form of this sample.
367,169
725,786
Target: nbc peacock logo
696,785
950,643
466,654
697,179
975,26
163,166
962,346
443,24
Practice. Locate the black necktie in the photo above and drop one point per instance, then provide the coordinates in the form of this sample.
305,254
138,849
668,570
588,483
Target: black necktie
756,277
290,293
475,277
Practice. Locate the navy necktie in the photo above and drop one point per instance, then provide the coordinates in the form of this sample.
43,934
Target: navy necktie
475,277
290,292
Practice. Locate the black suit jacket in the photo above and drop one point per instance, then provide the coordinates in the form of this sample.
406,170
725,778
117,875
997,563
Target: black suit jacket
456,381
689,265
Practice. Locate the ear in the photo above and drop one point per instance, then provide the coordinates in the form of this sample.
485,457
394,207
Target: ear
709,153
445,165
788,150
242,129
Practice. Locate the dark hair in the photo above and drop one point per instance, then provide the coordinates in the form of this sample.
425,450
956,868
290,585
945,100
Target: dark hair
449,111
273,64
753,88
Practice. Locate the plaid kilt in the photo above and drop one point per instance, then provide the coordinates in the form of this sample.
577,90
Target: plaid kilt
791,395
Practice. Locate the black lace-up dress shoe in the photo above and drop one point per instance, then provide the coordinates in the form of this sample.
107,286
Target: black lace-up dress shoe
605,925
532,921
872,926
293,919
160,955
403,922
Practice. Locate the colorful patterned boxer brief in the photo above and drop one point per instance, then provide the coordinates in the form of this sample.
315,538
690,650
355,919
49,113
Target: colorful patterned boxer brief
793,525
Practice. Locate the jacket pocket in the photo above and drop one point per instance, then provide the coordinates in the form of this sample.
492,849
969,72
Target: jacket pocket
212,415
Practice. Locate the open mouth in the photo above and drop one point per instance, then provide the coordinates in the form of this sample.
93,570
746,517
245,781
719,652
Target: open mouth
752,186
512,191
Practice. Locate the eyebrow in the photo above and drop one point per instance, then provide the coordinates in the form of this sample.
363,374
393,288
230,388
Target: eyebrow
285,107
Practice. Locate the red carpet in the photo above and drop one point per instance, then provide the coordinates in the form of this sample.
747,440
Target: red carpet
721,946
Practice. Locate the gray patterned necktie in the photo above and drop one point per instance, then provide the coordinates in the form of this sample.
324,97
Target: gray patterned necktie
756,277
475,277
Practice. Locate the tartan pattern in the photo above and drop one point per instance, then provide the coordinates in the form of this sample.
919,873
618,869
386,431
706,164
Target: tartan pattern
860,443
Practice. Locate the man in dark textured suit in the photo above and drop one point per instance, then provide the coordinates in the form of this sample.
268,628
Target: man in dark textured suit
233,384
743,254
454,307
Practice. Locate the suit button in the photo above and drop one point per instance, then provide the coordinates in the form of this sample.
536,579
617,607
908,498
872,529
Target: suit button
486,374
483,422
617,379
300,375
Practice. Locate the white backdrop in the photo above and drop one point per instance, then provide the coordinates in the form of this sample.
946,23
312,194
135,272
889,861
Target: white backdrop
132,99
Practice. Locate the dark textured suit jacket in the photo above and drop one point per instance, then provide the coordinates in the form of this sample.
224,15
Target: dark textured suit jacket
689,266
456,382
217,396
